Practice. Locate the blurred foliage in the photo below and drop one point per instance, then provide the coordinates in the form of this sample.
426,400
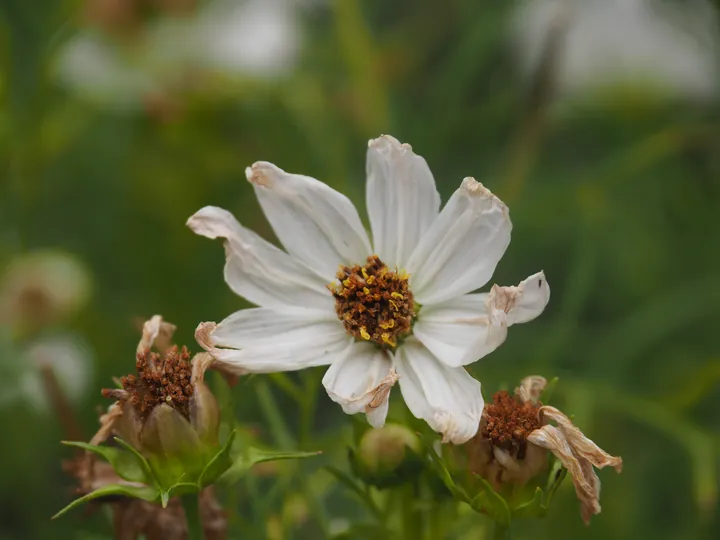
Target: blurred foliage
616,197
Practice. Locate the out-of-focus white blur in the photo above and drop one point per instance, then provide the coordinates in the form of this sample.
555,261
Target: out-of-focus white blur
173,54
257,36
71,361
667,47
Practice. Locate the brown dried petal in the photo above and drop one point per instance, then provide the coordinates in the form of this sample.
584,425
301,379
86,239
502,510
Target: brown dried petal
580,444
200,364
155,329
531,388
587,486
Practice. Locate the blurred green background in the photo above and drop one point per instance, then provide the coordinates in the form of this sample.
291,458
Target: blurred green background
597,124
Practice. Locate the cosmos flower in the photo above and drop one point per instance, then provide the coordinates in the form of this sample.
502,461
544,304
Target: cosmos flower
397,308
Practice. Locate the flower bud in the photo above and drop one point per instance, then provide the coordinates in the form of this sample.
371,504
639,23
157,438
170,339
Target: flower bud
387,456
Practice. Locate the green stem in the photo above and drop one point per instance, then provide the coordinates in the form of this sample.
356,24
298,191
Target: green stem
412,527
191,505
500,531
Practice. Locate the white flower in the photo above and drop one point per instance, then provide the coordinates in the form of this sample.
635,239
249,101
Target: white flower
257,37
637,42
397,308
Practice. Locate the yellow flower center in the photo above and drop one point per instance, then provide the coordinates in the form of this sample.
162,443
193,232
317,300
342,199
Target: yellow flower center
373,302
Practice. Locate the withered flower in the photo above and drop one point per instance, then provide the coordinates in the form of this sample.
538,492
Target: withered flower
515,435
164,427
169,415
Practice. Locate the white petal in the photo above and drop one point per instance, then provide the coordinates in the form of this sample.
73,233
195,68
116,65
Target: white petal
459,253
318,344
462,330
257,270
448,399
524,302
315,223
361,382
402,201
249,327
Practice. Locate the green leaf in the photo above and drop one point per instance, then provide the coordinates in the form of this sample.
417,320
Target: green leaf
123,462
491,502
363,495
533,508
146,493
442,471
246,459
220,463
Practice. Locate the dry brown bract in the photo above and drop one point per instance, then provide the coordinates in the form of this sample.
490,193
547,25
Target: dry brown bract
515,434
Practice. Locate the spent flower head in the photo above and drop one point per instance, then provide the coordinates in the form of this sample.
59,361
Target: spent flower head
401,307
165,423
515,435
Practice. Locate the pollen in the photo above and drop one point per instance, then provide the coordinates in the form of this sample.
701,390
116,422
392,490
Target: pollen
374,302
161,378
509,422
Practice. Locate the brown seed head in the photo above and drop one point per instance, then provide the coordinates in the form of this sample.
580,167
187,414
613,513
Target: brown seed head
509,422
373,302
161,378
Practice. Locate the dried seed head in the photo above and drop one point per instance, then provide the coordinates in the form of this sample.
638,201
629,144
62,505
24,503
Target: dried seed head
509,422
374,302
161,378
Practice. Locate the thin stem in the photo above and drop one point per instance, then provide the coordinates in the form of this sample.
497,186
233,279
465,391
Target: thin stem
191,505
412,527
500,531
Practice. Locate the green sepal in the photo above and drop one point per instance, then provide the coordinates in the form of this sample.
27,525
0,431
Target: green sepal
491,503
442,471
557,475
141,460
532,508
124,463
220,463
177,490
244,459
146,493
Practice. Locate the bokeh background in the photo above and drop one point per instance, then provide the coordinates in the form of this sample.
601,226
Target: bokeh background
596,121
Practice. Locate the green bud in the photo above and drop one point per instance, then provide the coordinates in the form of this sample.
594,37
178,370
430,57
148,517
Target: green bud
388,456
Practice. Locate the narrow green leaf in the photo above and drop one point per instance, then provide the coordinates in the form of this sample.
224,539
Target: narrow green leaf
123,462
145,493
250,456
220,463
363,495
532,508
442,471
491,502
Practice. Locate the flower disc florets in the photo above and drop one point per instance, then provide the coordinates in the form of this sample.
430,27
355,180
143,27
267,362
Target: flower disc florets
374,302
161,378
509,421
